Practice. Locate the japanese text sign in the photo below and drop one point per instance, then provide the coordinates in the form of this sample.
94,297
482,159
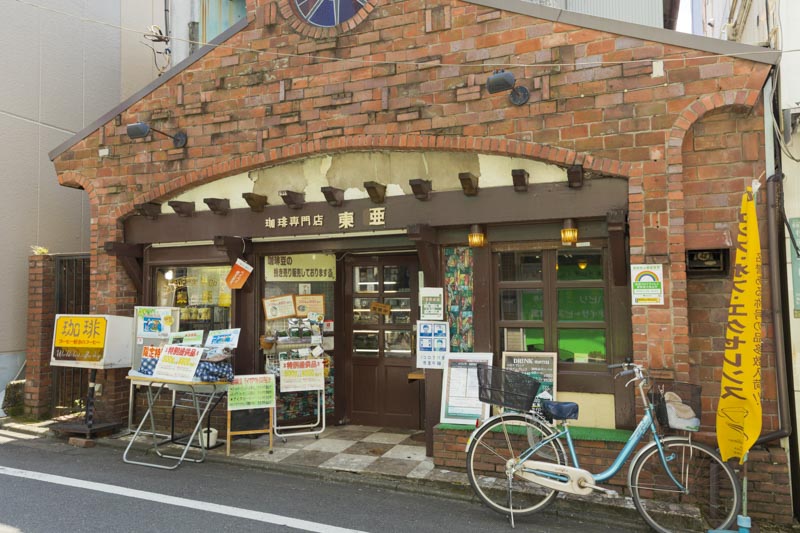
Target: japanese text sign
178,362
80,331
255,391
302,375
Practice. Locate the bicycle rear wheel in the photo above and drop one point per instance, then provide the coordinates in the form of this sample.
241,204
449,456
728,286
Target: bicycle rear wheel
496,447
713,493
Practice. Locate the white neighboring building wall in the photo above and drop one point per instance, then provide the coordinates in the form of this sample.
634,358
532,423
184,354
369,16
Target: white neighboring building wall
62,65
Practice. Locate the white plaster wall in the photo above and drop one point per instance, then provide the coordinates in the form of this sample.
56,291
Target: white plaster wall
350,170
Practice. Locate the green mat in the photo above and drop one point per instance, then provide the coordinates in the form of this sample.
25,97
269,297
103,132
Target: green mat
578,433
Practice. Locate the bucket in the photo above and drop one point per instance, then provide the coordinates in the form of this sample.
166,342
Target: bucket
208,437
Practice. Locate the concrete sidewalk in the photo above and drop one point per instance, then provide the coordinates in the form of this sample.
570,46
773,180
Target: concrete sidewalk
379,457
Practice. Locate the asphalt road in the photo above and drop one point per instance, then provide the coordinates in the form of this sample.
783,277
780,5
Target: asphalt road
47,485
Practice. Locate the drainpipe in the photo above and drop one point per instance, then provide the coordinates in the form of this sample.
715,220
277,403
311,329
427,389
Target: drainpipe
774,214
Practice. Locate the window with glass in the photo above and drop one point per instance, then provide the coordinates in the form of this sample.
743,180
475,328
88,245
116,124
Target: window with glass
200,292
554,301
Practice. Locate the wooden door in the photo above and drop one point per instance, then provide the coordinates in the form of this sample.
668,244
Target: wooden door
381,348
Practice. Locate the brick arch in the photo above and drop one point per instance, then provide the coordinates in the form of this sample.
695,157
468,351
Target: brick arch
674,354
485,145
78,181
697,110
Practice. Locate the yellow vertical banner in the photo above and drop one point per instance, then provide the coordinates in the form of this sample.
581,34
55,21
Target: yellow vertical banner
739,409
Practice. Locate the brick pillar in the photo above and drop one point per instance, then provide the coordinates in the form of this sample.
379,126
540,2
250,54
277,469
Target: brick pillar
41,317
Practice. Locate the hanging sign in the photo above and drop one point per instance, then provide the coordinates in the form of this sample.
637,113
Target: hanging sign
647,284
238,275
300,267
739,409
255,391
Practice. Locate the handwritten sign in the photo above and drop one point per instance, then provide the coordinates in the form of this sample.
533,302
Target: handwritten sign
178,362
302,375
254,391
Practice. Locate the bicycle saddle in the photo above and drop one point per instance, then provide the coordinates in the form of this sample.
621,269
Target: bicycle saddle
560,410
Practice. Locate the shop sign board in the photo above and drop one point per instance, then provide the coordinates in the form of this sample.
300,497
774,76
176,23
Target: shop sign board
178,362
300,267
92,341
302,375
433,343
254,391
541,366
431,303
460,401
647,284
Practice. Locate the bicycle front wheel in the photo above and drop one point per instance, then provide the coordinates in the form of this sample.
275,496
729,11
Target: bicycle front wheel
711,497
495,452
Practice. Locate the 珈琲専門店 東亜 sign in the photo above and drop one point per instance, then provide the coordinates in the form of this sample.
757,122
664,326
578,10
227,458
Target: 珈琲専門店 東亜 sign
300,267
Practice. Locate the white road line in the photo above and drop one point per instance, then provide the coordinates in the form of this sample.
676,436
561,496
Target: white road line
227,510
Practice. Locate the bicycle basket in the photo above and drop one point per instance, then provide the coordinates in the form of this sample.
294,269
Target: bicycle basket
677,405
506,388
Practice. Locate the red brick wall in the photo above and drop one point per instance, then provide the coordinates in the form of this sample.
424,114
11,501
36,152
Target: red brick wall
41,317
722,154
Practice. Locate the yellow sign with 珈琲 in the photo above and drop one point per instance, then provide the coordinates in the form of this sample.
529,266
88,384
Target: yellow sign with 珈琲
739,409
80,331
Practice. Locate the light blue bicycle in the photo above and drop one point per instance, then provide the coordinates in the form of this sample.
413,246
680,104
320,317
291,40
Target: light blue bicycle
517,463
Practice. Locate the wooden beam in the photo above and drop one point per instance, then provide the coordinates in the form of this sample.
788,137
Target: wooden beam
130,256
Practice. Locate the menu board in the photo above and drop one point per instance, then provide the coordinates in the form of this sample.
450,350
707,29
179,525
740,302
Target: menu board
539,365
460,401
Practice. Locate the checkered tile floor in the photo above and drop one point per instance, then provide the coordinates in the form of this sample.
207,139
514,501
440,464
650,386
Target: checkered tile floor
394,452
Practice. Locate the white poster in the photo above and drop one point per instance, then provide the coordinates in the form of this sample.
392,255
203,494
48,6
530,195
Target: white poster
431,303
177,362
647,284
433,343
461,403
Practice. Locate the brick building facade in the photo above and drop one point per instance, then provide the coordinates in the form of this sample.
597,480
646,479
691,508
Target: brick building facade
678,119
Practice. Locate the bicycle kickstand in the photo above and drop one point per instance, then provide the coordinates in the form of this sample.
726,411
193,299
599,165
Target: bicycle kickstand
510,502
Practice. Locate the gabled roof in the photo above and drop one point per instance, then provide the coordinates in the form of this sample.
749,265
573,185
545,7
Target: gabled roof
628,29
